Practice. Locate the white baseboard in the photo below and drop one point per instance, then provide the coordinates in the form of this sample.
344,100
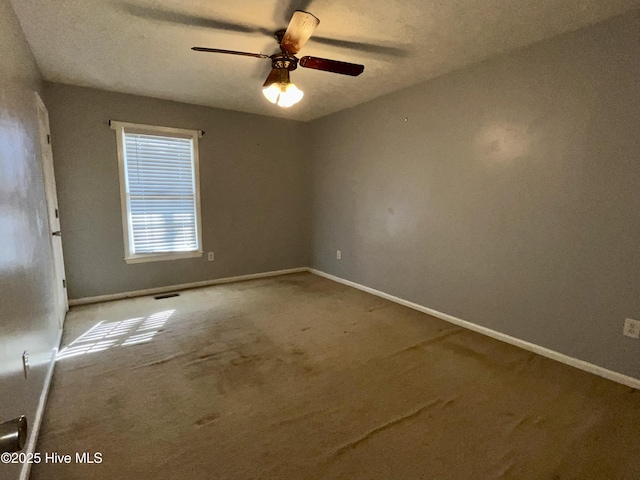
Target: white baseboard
183,286
37,421
545,352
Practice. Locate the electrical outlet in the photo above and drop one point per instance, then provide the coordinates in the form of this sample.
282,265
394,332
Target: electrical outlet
210,256
338,255
632,328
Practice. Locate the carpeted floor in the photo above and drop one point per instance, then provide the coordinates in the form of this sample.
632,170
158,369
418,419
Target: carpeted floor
297,377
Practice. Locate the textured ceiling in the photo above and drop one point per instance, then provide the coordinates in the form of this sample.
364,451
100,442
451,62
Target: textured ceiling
143,46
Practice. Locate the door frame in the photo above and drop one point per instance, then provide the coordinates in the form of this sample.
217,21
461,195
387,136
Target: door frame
53,216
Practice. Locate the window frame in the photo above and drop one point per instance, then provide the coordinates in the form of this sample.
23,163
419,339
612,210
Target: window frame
124,127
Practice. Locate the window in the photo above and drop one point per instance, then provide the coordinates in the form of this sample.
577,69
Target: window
160,194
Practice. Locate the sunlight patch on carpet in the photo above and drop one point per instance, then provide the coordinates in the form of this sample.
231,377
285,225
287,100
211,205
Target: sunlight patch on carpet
104,336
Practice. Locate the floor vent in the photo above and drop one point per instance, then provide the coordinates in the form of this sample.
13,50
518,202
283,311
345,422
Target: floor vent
166,295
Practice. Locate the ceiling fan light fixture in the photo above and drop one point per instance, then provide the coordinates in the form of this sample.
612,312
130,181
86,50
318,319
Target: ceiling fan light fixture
284,95
272,92
278,88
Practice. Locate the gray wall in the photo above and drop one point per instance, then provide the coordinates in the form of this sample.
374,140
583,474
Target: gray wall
27,317
509,197
254,189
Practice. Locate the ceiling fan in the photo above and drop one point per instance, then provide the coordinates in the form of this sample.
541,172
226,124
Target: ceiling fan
278,88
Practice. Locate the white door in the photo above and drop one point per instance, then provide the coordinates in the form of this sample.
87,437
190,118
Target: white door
52,208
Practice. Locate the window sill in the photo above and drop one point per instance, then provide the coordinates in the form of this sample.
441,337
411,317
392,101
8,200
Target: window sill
159,257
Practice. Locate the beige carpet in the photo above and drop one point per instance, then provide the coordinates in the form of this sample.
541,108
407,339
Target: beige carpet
297,377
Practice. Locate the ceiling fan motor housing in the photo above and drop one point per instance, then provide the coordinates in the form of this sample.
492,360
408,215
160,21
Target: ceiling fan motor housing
284,61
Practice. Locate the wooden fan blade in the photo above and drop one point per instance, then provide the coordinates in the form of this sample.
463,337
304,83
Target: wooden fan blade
334,66
300,29
230,52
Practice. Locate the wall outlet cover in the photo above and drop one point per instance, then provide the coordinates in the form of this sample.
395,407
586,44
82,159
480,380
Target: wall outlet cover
632,328
338,255
210,256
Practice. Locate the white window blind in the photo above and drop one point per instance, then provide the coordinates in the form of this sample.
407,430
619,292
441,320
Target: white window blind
161,193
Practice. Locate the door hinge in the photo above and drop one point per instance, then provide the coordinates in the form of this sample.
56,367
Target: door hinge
57,216
64,283
48,139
